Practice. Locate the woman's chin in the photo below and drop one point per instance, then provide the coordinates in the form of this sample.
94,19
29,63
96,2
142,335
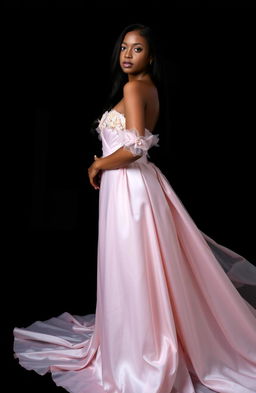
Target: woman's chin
127,70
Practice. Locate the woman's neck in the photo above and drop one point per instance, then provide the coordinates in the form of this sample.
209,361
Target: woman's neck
143,76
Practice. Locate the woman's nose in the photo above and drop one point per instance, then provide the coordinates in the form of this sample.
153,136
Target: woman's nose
128,53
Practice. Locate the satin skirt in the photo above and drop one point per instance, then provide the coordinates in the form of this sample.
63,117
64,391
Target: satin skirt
169,316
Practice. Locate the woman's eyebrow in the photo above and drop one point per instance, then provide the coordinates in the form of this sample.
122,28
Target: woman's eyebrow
136,43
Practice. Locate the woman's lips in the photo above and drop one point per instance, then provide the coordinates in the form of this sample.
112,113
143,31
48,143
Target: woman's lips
127,64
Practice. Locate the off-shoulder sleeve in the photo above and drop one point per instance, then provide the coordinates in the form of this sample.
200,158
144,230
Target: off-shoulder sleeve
137,144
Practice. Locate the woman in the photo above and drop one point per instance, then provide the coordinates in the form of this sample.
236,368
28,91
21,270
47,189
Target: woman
169,318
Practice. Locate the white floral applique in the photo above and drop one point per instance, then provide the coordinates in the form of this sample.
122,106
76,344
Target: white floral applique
130,139
112,119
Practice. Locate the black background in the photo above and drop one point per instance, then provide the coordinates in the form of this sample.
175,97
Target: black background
55,77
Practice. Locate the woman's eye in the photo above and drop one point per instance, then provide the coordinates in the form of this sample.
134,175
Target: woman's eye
136,49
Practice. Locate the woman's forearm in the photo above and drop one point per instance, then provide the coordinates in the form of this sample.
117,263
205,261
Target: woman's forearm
119,159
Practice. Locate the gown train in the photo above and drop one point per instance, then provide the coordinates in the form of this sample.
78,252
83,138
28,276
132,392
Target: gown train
170,317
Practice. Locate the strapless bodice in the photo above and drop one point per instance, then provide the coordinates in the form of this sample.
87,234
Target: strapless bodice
113,134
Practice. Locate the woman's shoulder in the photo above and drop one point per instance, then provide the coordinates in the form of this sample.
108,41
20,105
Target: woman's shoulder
138,87
132,86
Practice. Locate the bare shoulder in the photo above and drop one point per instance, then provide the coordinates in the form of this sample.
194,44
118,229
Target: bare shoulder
138,85
133,87
139,105
134,95
138,88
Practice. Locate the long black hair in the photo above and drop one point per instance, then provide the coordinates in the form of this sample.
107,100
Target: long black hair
157,72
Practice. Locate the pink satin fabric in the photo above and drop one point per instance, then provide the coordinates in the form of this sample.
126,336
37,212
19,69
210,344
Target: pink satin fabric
169,318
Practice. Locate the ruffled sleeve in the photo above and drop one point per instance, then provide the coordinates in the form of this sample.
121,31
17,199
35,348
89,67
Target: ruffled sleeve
137,144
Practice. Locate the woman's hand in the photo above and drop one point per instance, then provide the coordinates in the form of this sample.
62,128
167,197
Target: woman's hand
94,174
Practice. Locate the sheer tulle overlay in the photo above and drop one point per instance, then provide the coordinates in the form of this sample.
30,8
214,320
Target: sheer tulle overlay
169,316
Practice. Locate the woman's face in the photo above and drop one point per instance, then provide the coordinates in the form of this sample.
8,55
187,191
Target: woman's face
134,53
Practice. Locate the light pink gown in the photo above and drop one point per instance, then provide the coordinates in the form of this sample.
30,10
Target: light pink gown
169,317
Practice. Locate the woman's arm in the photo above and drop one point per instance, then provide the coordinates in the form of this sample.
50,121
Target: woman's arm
119,159
134,103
